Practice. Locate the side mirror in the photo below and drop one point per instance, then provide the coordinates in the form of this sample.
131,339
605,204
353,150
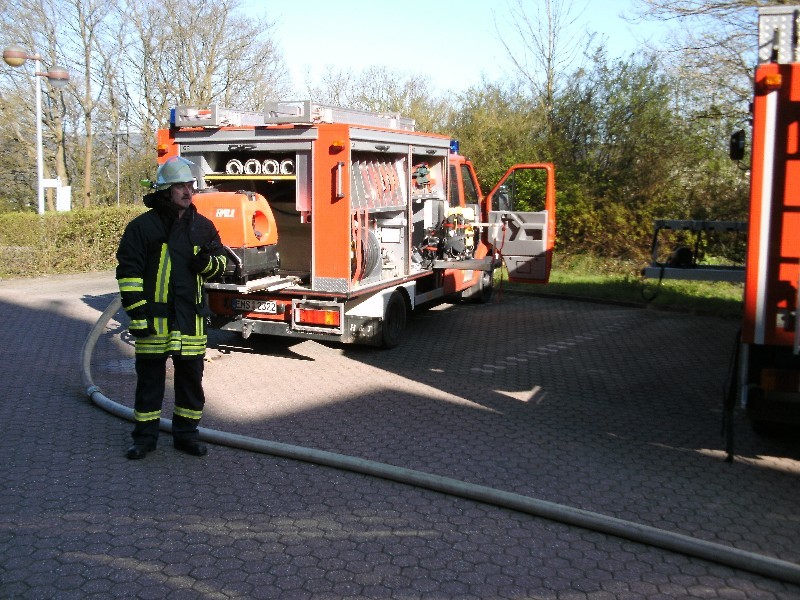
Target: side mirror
738,140
502,200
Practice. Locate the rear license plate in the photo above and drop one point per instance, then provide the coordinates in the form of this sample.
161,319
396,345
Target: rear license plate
257,306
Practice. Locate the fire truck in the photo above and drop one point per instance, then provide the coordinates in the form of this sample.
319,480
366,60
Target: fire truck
769,359
339,222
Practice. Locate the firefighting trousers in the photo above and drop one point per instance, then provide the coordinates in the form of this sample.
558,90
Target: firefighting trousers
150,387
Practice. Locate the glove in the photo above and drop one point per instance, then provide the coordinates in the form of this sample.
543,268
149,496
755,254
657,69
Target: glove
140,328
200,261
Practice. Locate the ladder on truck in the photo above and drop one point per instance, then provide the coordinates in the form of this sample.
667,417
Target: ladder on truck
292,112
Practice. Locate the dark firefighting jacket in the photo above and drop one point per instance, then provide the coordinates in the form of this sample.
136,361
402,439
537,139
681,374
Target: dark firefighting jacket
163,261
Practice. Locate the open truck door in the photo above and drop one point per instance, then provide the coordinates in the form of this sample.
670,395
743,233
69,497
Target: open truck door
521,211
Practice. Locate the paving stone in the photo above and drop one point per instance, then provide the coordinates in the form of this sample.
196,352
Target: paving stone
604,408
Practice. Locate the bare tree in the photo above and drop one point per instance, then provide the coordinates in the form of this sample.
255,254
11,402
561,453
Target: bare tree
35,25
380,89
209,53
334,88
129,61
553,42
93,47
713,46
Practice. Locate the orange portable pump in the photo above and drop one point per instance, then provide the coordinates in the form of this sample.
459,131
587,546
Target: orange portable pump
247,229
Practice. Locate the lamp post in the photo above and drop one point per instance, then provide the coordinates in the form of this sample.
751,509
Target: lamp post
118,138
15,56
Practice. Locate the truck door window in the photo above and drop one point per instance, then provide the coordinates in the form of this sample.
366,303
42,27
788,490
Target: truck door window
524,190
452,197
470,193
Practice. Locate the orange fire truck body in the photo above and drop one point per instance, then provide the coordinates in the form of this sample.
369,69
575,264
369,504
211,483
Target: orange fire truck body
337,222
770,365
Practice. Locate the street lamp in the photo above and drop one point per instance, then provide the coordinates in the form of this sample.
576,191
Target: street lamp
118,135
15,56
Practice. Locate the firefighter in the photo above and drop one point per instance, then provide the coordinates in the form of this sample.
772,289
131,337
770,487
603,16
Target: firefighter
164,257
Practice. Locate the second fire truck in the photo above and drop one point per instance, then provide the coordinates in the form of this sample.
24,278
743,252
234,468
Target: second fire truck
339,222
770,349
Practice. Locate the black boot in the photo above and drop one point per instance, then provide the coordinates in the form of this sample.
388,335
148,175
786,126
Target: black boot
192,447
138,451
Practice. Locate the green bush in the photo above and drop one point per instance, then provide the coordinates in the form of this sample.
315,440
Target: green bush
69,242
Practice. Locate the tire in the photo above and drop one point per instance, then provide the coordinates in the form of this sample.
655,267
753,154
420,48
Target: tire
482,292
484,295
394,321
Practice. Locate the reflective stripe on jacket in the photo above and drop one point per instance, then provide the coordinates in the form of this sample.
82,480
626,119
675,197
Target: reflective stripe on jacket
160,287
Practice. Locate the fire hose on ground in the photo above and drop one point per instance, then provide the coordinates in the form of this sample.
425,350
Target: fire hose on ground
636,532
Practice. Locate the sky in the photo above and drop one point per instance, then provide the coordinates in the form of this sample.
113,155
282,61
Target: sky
453,43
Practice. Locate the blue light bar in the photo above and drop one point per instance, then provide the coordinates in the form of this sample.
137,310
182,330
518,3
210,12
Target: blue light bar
454,146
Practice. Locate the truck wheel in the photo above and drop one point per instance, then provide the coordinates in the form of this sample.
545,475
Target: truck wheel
484,295
394,321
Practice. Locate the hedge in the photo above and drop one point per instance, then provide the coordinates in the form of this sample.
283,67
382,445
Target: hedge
78,241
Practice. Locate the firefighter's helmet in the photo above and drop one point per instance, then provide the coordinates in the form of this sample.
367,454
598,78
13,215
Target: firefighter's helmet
175,170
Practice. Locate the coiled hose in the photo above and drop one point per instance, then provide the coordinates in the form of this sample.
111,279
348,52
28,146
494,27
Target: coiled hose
636,532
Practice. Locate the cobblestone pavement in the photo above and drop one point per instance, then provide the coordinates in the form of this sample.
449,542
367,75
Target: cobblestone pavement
609,409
